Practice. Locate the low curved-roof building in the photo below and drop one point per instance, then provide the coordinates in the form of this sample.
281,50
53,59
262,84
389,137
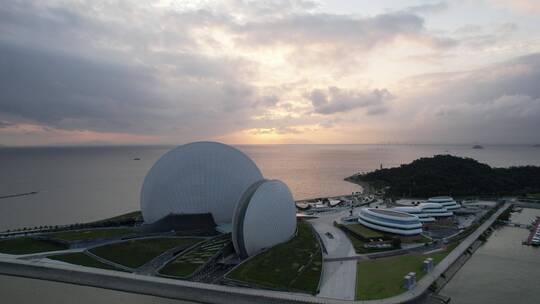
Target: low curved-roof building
446,201
197,178
387,220
264,216
426,212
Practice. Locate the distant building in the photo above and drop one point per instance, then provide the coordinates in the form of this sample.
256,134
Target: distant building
426,212
446,201
223,186
390,221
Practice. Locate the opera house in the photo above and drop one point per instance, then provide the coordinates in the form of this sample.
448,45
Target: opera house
209,182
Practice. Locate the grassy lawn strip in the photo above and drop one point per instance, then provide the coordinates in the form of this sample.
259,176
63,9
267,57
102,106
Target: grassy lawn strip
27,245
295,265
383,278
362,231
135,253
358,244
90,234
187,263
79,258
308,280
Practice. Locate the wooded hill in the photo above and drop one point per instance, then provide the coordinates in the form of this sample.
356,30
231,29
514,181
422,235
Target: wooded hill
451,175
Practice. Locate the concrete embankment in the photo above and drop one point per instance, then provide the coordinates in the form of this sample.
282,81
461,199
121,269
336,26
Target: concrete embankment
155,286
455,267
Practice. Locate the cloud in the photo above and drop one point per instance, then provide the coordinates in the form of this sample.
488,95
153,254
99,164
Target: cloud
266,101
190,71
338,30
70,92
499,103
5,124
526,6
427,8
336,100
479,37
276,130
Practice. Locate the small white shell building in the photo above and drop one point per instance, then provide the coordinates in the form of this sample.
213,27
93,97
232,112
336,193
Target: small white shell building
264,216
216,179
200,177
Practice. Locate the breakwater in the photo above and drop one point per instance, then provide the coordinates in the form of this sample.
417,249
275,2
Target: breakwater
18,194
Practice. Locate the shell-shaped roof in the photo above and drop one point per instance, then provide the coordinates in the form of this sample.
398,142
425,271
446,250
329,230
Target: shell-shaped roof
200,177
265,216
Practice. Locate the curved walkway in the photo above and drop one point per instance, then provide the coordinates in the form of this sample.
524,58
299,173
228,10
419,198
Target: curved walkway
338,277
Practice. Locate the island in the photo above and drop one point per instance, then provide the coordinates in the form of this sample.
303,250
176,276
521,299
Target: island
451,175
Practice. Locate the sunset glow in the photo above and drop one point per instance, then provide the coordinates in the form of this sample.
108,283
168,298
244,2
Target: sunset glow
258,72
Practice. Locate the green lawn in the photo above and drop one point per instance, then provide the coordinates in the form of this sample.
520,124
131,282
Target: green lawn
27,245
308,280
79,258
187,263
383,278
135,253
363,232
358,244
90,234
295,265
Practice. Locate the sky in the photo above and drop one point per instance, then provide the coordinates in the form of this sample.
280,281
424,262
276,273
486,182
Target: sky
269,72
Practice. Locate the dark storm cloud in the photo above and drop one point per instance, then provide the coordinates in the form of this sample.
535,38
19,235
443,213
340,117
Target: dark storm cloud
335,100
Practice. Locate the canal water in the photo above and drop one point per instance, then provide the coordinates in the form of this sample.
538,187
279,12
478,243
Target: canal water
502,270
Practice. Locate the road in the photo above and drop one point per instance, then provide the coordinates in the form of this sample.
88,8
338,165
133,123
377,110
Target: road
338,277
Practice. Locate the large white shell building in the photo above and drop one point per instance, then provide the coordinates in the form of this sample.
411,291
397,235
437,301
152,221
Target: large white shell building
217,179
200,177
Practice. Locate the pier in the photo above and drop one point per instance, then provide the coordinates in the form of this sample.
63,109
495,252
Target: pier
517,225
534,227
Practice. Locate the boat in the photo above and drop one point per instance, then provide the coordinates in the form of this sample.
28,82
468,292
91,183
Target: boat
320,204
334,203
136,158
477,147
302,206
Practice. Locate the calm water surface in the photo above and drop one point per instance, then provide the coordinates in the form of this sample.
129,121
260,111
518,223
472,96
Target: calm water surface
79,184
502,271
